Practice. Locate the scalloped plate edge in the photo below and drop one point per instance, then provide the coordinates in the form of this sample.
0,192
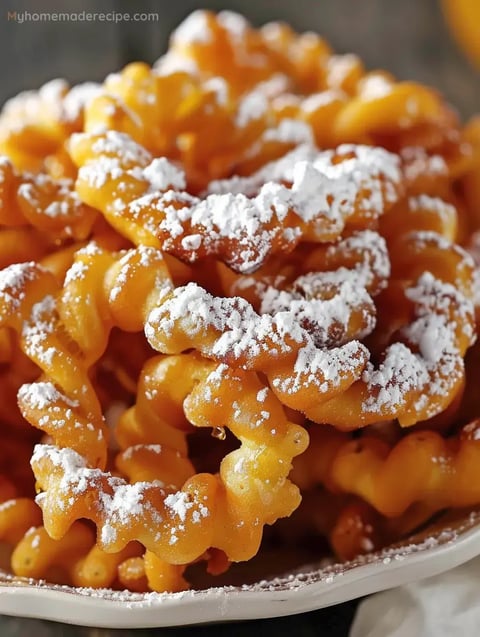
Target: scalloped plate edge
100,609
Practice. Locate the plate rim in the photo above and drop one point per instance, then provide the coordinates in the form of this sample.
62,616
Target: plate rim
92,608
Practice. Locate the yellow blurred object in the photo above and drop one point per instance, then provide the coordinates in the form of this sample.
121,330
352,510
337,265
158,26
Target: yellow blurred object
463,18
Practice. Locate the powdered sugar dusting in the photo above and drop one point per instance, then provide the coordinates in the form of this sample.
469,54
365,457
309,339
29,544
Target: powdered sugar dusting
433,364
417,163
12,283
362,165
27,105
117,156
78,98
252,107
180,503
339,67
375,86
305,191
194,29
289,131
326,319
323,369
317,101
43,396
162,175
36,330
240,331
119,504
323,194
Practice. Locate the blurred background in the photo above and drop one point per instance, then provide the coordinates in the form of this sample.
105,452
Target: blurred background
408,37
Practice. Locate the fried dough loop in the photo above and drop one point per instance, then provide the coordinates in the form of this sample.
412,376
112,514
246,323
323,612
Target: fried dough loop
229,282
421,467
35,124
312,196
65,330
48,205
222,511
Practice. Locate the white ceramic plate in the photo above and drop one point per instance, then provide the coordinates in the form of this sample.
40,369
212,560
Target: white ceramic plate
441,548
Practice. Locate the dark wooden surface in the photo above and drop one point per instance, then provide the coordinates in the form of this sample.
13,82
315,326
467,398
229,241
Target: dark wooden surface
407,37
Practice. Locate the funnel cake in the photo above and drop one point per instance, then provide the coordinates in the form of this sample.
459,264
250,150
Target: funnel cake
310,364
256,238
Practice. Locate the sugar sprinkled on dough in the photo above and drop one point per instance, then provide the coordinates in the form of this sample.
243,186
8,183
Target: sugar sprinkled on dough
253,106
256,212
119,503
322,193
43,395
240,330
13,278
194,29
180,503
320,367
433,367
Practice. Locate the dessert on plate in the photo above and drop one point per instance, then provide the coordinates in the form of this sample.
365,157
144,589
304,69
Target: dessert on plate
238,303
